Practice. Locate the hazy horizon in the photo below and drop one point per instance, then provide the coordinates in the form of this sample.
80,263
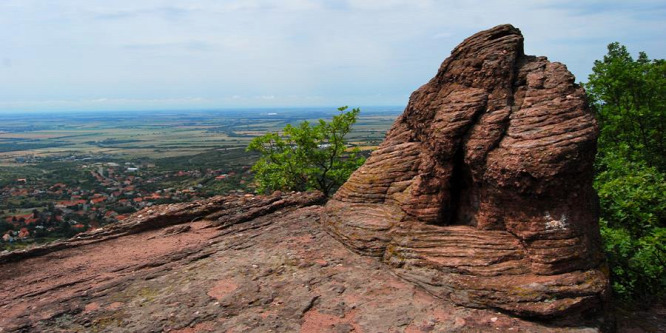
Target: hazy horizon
326,109
75,55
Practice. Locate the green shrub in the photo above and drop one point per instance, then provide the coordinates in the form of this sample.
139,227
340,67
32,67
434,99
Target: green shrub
307,156
629,99
633,214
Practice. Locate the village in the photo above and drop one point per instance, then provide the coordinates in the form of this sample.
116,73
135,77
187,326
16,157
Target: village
39,209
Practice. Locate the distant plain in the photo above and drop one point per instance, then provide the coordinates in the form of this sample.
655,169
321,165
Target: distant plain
160,134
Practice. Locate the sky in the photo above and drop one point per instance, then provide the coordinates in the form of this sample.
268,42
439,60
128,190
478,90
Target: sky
79,55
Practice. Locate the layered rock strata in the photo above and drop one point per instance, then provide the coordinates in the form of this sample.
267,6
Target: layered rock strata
482,190
236,263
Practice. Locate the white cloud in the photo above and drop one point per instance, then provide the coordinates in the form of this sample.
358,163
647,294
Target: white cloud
341,51
389,4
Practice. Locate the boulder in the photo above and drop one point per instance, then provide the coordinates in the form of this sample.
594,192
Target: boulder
481,192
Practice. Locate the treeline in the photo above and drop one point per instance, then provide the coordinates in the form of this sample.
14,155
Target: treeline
6,147
629,99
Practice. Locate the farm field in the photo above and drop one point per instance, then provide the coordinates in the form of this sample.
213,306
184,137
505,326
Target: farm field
28,138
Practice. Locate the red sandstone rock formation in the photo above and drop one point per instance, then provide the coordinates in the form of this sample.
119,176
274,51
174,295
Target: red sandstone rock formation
482,191
241,264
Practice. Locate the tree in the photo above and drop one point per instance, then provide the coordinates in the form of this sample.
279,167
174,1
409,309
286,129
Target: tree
307,156
629,99
5,226
633,211
66,230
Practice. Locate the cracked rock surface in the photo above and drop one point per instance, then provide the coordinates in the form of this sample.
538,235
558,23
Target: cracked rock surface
482,191
226,264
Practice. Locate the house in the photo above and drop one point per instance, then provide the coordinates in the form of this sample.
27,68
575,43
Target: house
153,196
70,204
58,186
23,233
97,200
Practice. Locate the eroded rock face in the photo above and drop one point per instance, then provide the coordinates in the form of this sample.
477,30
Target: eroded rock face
242,264
482,191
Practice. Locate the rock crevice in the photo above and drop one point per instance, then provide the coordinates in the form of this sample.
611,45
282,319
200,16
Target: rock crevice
482,190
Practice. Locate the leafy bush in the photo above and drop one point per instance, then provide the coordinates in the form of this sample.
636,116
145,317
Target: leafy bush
633,211
630,101
307,156
629,98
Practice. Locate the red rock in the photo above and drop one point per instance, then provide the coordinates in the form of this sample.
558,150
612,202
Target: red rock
482,190
244,277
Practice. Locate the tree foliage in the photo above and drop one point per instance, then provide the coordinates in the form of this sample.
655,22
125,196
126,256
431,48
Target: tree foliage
629,98
633,210
307,156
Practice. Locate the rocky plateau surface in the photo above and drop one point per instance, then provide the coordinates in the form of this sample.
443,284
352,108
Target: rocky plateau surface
226,264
